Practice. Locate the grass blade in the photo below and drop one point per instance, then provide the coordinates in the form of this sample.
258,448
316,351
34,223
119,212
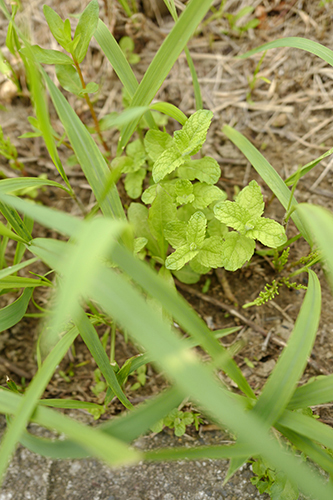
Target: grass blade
306,168
314,393
12,314
12,185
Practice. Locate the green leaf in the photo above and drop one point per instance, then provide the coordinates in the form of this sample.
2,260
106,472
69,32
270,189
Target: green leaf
236,250
18,282
216,228
18,183
175,233
184,192
156,142
4,231
69,79
196,230
306,168
136,151
313,393
133,183
162,211
233,215
166,163
138,217
46,56
91,88
170,110
16,222
251,198
268,232
86,28
205,194
116,120
197,267
187,275
57,26
180,257
210,254
190,138
205,170
12,314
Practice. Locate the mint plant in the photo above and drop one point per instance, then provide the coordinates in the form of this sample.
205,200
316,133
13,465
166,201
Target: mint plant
178,420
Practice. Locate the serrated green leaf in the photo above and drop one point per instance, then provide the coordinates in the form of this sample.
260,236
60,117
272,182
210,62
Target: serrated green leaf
268,232
180,257
133,183
138,216
86,28
216,228
236,250
205,194
69,79
190,138
46,56
149,195
175,233
57,26
166,163
197,267
162,211
187,274
233,215
136,151
184,192
205,170
196,230
210,254
251,198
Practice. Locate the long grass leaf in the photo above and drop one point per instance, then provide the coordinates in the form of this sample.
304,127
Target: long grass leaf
306,168
12,314
12,185
16,222
19,282
314,393
267,173
297,43
87,153
290,366
14,269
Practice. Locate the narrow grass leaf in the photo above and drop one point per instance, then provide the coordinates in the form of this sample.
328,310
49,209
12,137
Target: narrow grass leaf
170,110
18,282
166,57
281,384
306,168
4,231
12,314
296,43
313,393
16,222
117,121
68,403
14,269
13,185
320,222
195,81
267,173
89,156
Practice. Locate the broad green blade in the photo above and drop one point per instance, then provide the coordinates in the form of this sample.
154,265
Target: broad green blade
268,174
12,314
166,57
18,282
306,168
182,313
14,269
296,43
89,156
170,110
12,185
314,393
97,443
126,427
319,221
92,341
282,382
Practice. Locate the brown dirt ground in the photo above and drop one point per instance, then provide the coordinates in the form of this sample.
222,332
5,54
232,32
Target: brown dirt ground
290,120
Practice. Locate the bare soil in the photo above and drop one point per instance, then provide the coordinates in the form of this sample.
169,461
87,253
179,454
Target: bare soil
289,120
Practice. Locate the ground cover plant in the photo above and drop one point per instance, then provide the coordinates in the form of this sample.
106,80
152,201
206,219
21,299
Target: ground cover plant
97,276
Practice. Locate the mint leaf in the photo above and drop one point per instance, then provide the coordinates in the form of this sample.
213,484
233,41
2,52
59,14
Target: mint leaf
210,254
197,267
166,163
85,29
233,215
133,183
180,257
136,151
236,250
184,192
216,228
205,170
68,78
58,28
205,194
139,244
268,232
46,56
196,230
162,211
138,217
125,163
190,138
149,195
251,198
91,88
187,274
175,233
156,142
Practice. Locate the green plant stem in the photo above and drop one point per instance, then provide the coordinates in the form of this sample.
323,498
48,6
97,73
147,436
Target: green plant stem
113,342
91,108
